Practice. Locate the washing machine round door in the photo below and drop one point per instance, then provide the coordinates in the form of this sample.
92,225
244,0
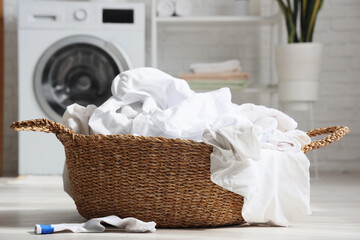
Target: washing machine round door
77,69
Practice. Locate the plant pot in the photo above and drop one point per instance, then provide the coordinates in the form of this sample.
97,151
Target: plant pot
298,67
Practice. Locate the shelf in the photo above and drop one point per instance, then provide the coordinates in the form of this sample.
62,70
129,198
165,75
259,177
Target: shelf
271,89
216,84
272,21
221,19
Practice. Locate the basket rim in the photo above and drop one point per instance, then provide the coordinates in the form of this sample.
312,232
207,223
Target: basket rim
45,125
136,137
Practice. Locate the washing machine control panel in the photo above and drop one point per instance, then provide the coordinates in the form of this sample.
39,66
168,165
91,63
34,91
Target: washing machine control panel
80,15
118,16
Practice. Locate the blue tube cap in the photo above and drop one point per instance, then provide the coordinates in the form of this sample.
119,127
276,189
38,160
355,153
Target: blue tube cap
43,229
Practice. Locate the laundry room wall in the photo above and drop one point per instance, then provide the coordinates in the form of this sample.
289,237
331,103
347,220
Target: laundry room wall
10,143
181,45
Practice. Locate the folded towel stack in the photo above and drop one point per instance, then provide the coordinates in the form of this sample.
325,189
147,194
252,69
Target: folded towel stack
216,76
219,74
167,8
228,66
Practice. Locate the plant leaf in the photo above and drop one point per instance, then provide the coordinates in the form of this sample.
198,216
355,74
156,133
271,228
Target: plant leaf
308,14
303,5
310,30
292,32
295,16
288,20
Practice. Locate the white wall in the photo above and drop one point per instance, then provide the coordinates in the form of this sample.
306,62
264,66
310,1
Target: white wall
10,88
180,45
339,29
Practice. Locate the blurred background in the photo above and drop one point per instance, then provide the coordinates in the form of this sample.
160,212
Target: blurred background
211,31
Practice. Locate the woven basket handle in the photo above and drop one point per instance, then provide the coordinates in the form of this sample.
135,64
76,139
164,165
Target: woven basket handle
336,133
41,125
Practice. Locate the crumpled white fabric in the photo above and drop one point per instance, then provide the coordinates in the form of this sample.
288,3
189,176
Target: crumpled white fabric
275,184
278,129
95,225
267,118
291,140
149,102
76,117
281,188
137,94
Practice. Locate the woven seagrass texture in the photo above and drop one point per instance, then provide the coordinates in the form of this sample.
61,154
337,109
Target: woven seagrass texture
336,133
150,178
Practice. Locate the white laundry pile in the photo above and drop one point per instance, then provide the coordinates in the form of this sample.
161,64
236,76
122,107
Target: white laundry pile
149,102
278,129
256,149
95,225
264,165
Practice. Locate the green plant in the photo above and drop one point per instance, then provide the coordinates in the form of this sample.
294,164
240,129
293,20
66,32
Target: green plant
304,11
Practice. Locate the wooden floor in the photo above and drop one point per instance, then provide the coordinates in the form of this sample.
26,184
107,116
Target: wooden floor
335,201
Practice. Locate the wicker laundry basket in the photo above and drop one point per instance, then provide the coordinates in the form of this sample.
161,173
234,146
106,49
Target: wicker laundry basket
150,178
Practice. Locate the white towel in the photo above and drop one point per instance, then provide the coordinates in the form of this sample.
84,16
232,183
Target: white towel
274,184
165,8
183,7
218,67
95,225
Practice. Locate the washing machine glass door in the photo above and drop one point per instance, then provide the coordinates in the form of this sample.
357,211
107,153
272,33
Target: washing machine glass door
78,69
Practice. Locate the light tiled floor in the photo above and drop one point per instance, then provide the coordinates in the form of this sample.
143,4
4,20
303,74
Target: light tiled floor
335,201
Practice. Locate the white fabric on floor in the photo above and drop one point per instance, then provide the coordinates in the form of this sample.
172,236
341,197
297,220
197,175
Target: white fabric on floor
95,225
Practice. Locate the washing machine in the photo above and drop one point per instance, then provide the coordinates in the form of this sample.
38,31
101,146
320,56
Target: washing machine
69,52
